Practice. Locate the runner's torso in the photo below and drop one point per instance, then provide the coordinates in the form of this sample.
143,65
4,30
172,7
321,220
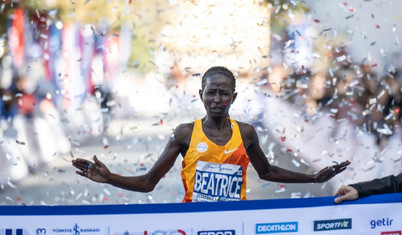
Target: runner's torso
214,172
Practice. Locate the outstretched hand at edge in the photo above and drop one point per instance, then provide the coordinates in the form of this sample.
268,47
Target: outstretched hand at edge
95,171
327,173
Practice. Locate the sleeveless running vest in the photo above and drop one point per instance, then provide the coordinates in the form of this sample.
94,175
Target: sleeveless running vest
213,172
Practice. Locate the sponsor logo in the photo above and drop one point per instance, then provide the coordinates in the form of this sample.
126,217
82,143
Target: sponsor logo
202,147
217,182
166,232
131,233
391,233
381,222
18,231
76,230
323,225
229,151
177,232
284,227
155,232
40,231
217,232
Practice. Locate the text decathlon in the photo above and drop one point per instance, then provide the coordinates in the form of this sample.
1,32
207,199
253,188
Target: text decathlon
321,225
276,227
219,232
218,184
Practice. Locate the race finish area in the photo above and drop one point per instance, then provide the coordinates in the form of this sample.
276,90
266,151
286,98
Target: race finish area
378,214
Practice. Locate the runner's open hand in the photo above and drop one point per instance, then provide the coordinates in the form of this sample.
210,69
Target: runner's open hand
330,171
96,171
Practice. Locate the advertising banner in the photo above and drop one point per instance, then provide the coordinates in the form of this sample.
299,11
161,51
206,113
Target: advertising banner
374,215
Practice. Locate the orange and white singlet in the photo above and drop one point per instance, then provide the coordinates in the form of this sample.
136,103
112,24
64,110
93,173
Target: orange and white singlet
213,172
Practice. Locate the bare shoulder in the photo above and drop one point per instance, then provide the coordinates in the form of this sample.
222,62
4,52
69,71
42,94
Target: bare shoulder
245,126
247,131
184,130
248,135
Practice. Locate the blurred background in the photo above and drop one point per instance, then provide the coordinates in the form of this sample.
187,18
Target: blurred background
320,81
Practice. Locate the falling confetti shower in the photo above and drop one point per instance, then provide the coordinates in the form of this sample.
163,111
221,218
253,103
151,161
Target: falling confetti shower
320,82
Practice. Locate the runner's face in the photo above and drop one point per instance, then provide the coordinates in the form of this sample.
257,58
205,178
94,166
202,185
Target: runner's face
217,95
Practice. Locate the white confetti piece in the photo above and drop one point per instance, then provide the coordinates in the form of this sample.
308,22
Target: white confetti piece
280,190
8,156
296,163
106,191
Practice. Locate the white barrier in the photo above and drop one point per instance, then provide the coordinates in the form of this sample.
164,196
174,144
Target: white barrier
376,215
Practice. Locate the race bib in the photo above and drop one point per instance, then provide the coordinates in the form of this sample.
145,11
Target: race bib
217,182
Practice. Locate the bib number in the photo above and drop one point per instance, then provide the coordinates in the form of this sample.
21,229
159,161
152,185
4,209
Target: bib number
217,182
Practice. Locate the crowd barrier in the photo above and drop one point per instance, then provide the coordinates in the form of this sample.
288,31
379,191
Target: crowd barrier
379,215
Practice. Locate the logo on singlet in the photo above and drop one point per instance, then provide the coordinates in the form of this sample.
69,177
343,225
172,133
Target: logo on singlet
202,147
229,151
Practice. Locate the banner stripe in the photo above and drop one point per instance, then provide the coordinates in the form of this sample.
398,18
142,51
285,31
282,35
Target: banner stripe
191,207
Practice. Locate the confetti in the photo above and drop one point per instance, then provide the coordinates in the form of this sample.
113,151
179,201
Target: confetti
353,92
8,156
281,189
20,142
296,163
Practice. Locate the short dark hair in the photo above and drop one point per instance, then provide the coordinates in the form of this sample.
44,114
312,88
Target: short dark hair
219,70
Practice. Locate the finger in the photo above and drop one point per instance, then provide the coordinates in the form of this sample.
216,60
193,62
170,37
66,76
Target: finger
341,166
80,166
338,166
336,171
81,173
86,166
80,160
81,163
338,192
341,191
329,170
341,169
76,163
339,199
326,170
97,161
346,197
